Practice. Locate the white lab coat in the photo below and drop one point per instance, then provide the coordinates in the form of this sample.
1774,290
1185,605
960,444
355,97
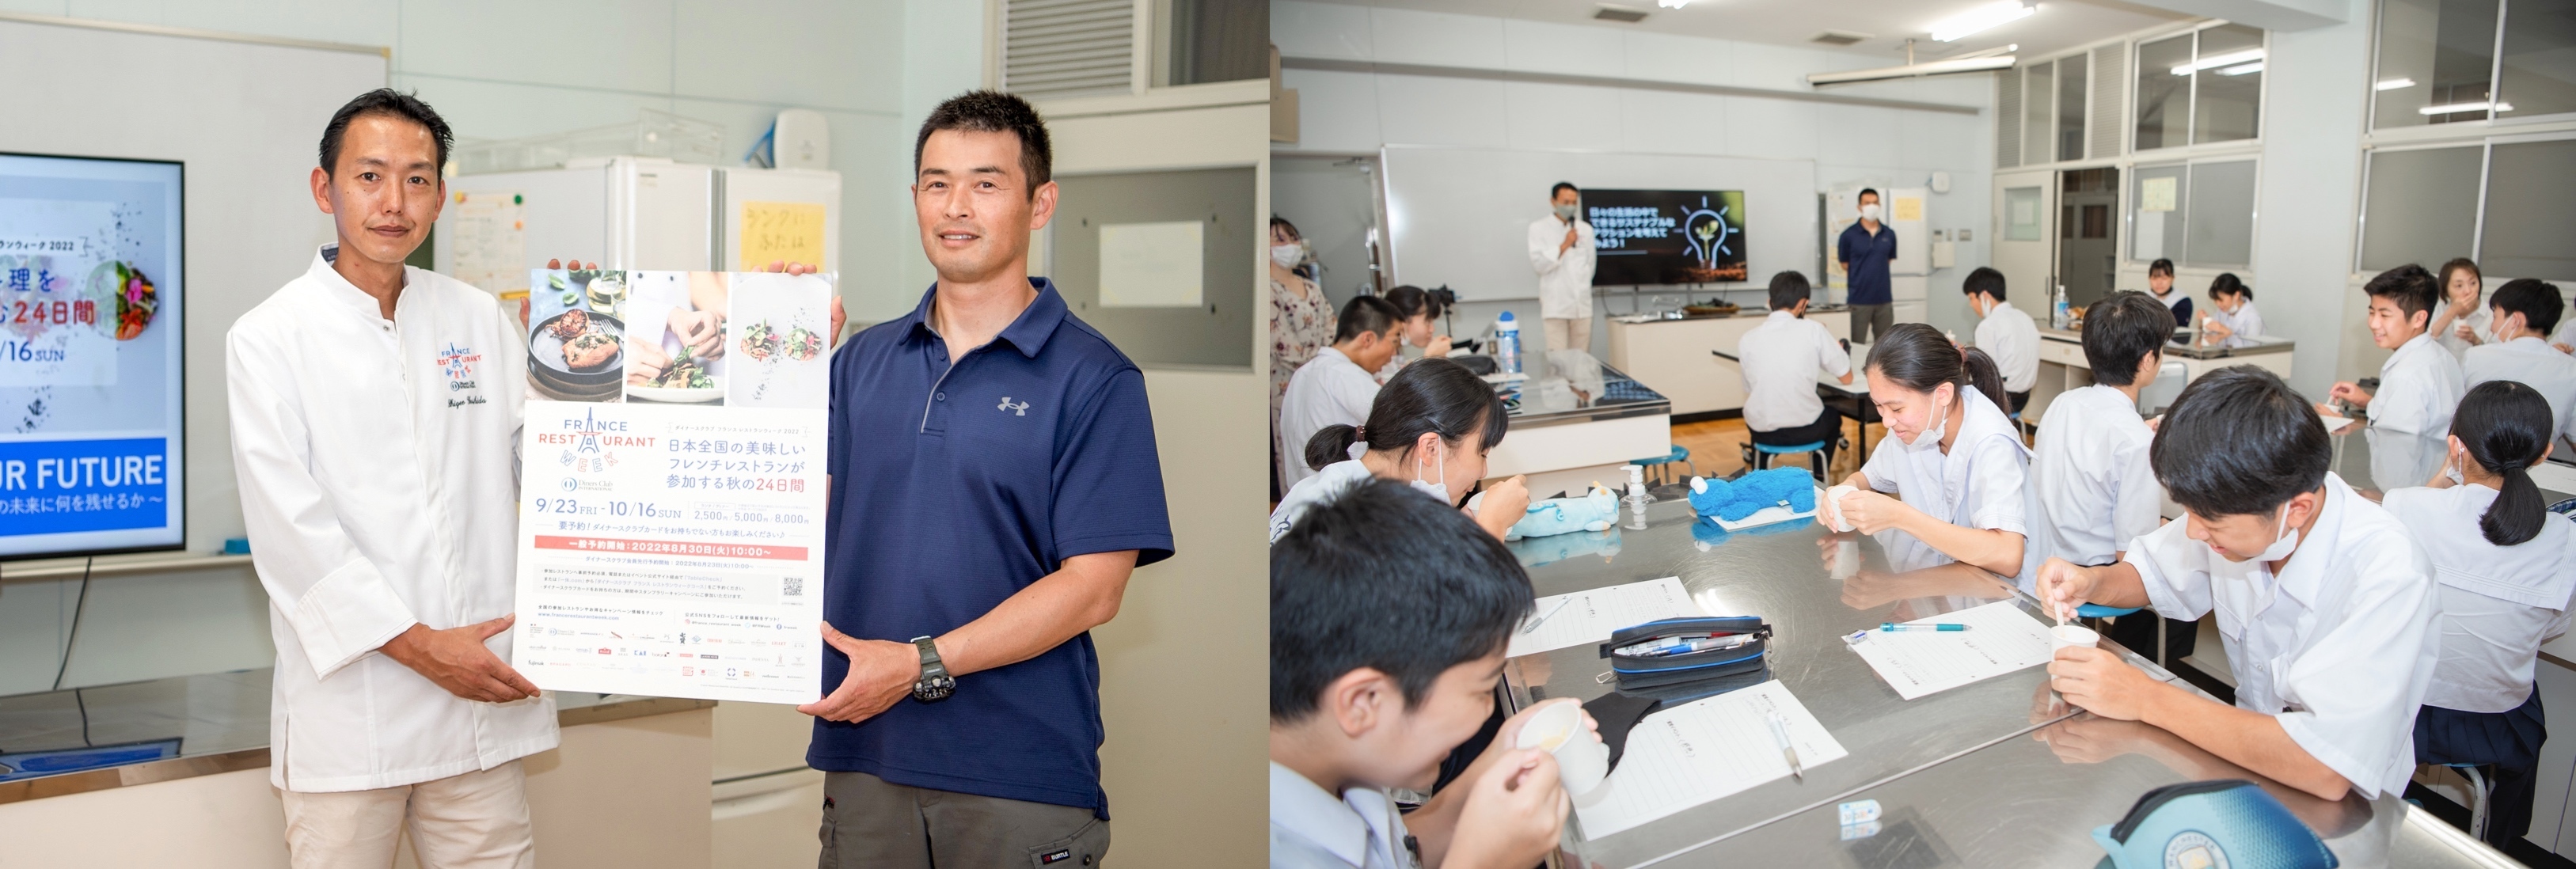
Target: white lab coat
1564,281
2419,388
375,461
1779,360
1981,483
2339,648
2008,334
1329,389
2095,490
2245,323
2534,363
2499,603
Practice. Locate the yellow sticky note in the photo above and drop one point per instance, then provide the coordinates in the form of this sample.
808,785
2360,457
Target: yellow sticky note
1909,208
780,232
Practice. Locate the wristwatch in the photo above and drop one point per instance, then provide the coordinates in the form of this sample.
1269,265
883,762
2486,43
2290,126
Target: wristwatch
935,682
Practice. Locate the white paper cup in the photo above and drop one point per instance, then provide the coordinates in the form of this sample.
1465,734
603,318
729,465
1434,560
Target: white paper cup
2063,636
1582,761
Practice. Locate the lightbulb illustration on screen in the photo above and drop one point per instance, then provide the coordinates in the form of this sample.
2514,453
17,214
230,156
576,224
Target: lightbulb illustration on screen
1709,232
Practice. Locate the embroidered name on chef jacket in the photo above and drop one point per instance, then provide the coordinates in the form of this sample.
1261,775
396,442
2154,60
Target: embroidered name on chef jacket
457,364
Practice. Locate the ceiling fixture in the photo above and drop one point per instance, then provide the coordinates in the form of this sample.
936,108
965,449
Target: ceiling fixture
1672,4
2256,66
1952,66
2394,83
2456,108
1838,37
1982,18
1622,14
2215,61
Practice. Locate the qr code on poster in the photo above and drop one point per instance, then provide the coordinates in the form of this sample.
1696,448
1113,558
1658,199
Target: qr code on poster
795,587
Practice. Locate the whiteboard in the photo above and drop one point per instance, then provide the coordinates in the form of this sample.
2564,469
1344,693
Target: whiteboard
1461,216
246,118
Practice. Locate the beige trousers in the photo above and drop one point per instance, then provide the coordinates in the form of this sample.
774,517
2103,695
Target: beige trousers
478,820
1566,333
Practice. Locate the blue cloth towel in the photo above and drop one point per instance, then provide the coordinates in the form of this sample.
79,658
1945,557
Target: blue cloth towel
1794,488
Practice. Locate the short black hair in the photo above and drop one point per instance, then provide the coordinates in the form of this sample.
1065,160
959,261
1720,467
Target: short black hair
1411,301
2454,266
1866,191
2535,300
1368,315
1382,577
1276,221
1788,289
2411,287
1563,186
2228,284
390,103
2239,442
1428,396
994,112
2121,329
2160,266
1986,280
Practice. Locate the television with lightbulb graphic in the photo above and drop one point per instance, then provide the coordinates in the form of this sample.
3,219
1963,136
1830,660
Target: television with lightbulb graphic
1661,237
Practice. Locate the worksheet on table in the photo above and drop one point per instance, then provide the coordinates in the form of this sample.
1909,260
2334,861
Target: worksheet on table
1592,616
1702,751
2000,639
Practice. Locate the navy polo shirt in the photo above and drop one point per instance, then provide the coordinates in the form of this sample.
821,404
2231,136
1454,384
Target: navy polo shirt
953,488
1865,256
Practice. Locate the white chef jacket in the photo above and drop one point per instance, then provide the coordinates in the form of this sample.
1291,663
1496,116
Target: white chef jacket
1564,282
2499,603
1329,389
2245,323
1981,483
1779,359
2481,322
375,461
2095,490
2339,647
2007,334
2419,387
1311,829
2534,363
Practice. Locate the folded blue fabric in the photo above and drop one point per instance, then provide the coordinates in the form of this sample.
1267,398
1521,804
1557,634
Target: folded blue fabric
1592,512
1536,551
1794,488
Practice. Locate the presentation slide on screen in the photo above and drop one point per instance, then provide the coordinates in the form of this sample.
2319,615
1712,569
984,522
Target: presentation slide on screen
90,422
1649,237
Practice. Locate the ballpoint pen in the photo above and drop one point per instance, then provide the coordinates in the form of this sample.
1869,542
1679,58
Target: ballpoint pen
1533,625
1780,733
1893,626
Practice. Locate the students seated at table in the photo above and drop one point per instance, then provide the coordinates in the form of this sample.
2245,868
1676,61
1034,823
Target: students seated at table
2005,332
1953,461
2231,313
1780,360
2460,322
1417,322
2505,567
1335,387
2160,284
2089,473
1429,428
2522,311
2418,385
2324,601
1388,619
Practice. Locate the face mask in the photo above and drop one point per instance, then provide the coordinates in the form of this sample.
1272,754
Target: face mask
1565,212
2284,541
1870,211
1439,490
1931,438
1287,255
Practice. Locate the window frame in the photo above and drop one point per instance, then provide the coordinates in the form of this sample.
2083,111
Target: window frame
2129,213
2191,99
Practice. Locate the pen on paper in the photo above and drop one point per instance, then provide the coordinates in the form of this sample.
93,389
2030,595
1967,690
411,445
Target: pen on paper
1534,623
1788,751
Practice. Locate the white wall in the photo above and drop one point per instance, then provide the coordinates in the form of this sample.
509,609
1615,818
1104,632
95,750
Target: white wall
2309,198
1363,112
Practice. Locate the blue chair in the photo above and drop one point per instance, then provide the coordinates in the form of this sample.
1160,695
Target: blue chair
1758,456
1659,468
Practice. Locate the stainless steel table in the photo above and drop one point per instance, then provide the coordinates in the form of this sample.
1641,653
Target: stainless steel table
1813,587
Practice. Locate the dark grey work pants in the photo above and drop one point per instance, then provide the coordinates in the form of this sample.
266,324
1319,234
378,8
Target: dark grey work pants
869,822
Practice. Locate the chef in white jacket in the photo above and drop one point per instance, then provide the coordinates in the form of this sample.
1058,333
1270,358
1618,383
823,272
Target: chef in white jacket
1562,251
2326,604
2419,385
374,411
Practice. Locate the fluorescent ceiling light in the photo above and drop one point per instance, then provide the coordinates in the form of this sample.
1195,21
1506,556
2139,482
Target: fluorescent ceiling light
1937,67
2218,60
1982,18
2394,83
1672,4
2256,66
2456,108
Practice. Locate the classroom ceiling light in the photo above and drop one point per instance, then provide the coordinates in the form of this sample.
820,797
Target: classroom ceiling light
1671,4
2218,60
1952,66
1838,37
2393,84
1621,14
2455,108
2242,69
1982,18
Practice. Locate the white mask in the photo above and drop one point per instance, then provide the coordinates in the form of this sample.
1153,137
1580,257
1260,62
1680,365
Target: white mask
1869,212
1931,438
1287,255
1439,490
2284,539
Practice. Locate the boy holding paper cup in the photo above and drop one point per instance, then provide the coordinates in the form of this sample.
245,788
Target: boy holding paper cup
2325,602
1389,614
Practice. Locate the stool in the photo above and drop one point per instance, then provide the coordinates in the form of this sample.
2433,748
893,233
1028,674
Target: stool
1758,456
1659,468
2479,789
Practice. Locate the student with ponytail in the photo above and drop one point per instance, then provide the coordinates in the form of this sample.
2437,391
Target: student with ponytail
1430,426
1953,470
2506,568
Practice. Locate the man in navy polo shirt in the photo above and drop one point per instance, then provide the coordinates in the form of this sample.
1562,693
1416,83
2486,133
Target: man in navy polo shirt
994,482
1864,250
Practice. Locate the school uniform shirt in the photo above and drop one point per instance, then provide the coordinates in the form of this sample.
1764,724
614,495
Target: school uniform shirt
2481,322
377,466
1316,488
2245,323
2419,388
2339,647
1981,483
2532,362
1312,829
1780,359
2499,603
1564,280
1329,389
1865,255
2179,303
2095,490
2008,334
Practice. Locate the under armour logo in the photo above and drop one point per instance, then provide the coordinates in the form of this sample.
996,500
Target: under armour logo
1020,409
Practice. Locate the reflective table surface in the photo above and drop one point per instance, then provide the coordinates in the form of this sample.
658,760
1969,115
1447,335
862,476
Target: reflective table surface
1574,386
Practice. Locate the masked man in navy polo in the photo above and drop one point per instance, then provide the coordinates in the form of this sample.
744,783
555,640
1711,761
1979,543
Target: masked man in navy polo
994,482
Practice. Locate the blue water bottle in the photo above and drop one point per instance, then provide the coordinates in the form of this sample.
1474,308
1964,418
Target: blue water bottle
1507,344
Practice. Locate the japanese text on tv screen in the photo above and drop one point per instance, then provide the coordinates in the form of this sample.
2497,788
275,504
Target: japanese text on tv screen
1649,237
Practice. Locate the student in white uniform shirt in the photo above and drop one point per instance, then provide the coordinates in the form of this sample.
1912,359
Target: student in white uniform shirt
375,411
2089,473
2462,322
1952,470
1562,250
1336,386
2005,333
2324,601
2418,385
1430,428
2231,311
2522,311
2506,567
1780,359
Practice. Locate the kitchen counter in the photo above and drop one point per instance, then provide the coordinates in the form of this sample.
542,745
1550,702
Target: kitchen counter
1672,356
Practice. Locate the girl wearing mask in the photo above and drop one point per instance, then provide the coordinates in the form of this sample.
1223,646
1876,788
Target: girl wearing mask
1431,426
1953,470
1301,319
